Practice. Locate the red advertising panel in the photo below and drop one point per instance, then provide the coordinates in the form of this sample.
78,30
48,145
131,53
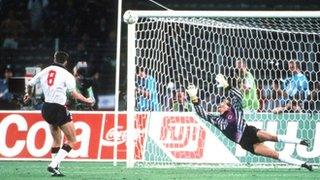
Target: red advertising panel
110,137
25,135
88,129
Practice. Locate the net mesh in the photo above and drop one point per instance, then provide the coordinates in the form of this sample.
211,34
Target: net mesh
174,52
194,50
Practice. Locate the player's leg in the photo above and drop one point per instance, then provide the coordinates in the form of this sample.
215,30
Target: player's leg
55,115
56,135
263,150
69,131
266,136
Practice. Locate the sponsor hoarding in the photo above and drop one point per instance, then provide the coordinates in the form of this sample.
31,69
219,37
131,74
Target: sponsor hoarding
167,137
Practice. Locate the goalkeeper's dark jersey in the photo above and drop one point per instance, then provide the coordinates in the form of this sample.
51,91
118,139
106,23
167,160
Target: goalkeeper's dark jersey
230,123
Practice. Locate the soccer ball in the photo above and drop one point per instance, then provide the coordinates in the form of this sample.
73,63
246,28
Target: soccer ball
129,17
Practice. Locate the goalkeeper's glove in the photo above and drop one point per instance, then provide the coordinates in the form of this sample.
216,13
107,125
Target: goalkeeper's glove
192,91
222,82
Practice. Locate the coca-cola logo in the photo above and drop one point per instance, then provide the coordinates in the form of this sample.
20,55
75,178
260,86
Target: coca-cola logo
114,137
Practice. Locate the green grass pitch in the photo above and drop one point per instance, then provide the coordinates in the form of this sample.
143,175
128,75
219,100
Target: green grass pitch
102,170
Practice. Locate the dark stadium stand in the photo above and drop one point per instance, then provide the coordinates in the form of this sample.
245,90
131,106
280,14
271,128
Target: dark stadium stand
87,30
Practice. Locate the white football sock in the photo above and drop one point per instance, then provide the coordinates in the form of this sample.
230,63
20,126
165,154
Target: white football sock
288,139
54,151
53,155
58,158
288,159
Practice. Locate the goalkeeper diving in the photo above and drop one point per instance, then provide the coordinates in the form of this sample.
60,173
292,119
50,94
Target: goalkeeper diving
231,123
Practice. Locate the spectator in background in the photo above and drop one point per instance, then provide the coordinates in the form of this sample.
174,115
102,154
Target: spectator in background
314,99
80,64
83,86
247,86
11,29
296,89
274,96
103,26
261,96
81,51
180,102
10,42
36,13
5,96
298,85
146,92
122,99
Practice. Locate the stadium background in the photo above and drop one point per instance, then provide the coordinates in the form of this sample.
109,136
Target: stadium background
87,30
91,36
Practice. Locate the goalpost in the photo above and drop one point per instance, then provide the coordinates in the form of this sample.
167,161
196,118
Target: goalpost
176,48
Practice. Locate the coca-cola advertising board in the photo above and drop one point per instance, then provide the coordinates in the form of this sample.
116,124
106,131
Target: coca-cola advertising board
159,137
25,135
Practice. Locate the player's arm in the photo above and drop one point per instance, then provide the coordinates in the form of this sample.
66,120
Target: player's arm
234,92
30,85
90,92
28,94
80,97
236,98
203,114
248,82
192,92
71,87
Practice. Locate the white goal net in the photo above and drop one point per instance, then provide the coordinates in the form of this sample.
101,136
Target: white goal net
169,50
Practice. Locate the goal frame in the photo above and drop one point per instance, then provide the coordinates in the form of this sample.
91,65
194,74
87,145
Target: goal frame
131,54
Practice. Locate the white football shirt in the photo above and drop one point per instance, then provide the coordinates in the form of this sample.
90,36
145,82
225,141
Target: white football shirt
54,81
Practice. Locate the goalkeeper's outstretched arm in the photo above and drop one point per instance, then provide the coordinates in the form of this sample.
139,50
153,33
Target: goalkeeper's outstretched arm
234,92
192,92
236,98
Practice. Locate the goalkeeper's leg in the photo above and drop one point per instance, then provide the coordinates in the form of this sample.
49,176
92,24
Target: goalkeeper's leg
266,136
263,150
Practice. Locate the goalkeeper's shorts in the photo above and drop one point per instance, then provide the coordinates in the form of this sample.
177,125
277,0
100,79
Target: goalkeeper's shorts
249,138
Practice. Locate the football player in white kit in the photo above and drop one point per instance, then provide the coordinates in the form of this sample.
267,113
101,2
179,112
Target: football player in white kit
55,81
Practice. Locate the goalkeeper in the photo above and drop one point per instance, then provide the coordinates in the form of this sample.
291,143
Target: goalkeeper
231,123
